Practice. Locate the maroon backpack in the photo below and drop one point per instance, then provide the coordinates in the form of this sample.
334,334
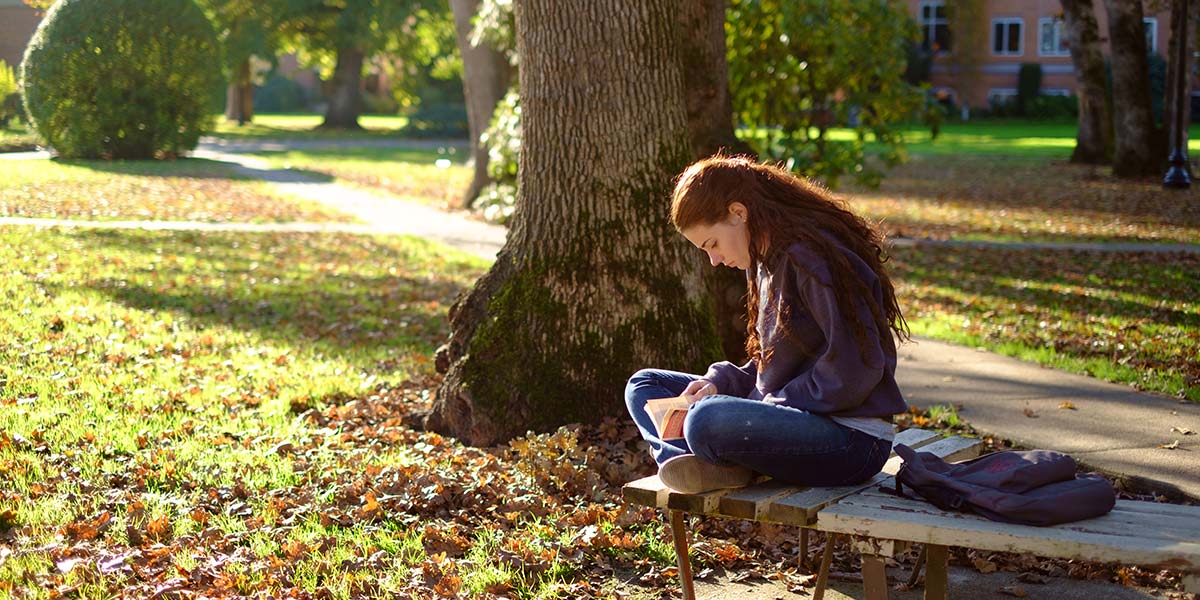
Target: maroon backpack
1037,487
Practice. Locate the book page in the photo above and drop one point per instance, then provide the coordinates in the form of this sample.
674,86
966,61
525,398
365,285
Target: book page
668,415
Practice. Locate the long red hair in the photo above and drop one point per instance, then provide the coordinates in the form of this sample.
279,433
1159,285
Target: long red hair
784,209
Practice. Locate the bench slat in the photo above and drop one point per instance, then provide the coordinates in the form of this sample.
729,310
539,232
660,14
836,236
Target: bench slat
1158,508
647,491
918,521
1116,522
801,508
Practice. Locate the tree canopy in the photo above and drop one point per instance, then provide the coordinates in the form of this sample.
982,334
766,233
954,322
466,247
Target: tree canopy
800,67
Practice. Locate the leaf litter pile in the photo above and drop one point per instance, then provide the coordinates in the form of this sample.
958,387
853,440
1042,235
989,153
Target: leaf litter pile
188,190
1006,198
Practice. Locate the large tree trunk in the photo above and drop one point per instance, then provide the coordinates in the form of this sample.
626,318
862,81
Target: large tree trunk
239,97
1093,143
1136,153
593,282
486,75
345,99
710,124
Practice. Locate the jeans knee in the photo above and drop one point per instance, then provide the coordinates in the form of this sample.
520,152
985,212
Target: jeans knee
642,377
703,428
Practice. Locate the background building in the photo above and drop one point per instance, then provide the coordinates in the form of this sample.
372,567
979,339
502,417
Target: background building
17,24
1014,32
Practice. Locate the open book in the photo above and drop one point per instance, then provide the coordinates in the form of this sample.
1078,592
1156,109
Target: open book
667,415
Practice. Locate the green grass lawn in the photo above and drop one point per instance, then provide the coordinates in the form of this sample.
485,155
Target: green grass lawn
1125,317
303,127
436,176
1009,138
186,189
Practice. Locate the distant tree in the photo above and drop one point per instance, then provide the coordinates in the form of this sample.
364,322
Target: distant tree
1138,150
1174,65
1093,141
340,35
593,282
703,53
486,77
247,30
799,68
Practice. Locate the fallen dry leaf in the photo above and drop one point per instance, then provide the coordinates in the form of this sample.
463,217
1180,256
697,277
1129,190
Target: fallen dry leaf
1067,405
1183,430
1172,446
1032,414
984,566
1012,590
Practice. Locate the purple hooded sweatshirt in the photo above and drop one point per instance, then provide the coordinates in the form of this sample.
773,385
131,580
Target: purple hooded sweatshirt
820,367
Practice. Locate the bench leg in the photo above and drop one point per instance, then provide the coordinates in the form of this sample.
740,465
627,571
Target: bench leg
803,548
875,584
823,573
935,572
679,535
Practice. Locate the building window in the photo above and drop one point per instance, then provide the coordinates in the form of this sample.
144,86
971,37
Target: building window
1151,25
1006,36
1052,37
935,26
1054,92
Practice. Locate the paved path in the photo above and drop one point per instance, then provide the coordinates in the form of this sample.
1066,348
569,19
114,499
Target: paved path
1112,429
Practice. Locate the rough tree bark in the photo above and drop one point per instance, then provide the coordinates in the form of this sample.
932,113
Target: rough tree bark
1093,142
593,282
710,123
345,100
1169,104
486,75
1136,152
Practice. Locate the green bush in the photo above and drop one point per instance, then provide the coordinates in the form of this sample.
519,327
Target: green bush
1053,108
280,94
1029,85
438,120
503,142
122,78
8,89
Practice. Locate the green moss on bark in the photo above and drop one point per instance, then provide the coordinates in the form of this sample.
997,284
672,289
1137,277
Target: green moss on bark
576,376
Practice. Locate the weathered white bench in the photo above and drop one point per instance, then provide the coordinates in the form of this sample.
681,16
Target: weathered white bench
881,525
1150,534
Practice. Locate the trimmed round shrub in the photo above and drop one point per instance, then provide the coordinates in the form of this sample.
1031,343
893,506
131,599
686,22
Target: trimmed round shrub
122,78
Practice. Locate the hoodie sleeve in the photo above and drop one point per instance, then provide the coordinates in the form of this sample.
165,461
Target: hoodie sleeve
840,378
731,379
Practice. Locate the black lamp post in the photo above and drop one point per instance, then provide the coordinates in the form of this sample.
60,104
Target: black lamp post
1177,175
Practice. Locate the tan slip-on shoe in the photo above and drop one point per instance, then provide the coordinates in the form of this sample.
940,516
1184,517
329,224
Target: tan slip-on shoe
691,474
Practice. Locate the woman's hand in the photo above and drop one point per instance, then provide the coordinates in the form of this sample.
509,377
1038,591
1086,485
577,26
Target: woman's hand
699,389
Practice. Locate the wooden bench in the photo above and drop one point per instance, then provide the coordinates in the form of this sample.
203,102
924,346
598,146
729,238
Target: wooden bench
774,502
881,525
1162,536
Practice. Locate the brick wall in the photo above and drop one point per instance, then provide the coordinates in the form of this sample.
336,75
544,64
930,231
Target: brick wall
17,24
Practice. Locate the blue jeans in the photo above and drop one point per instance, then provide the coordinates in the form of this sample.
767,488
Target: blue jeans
789,444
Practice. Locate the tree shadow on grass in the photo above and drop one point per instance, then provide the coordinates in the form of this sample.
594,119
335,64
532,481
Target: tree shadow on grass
199,168
247,282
